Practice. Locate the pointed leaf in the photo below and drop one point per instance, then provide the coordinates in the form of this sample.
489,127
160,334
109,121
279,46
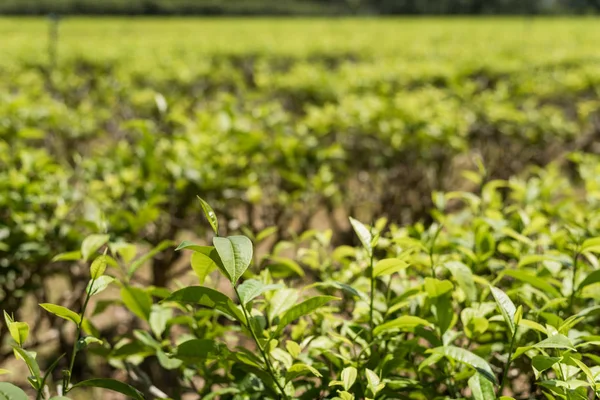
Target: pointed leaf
32,364
235,253
62,312
591,278
363,234
302,309
507,307
253,288
140,261
70,256
137,300
555,342
389,266
534,281
91,244
464,278
198,350
8,391
591,245
348,376
98,267
202,265
481,388
466,357
112,384
98,285
19,331
210,215
159,316
297,370
207,297
405,322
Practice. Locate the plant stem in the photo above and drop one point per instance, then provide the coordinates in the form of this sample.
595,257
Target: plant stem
508,362
67,379
270,369
573,291
372,295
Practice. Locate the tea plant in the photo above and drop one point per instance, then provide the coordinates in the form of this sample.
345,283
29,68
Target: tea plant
19,331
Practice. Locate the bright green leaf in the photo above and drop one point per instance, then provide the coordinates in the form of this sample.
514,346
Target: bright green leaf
388,266
210,215
91,244
62,312
253,288
235,253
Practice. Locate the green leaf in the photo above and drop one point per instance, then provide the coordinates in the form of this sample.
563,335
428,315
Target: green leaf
167,362
348,376
8,391
70,256
481,388
207,297
405,322
98,267
126,251
235,253
282,301
159,316
302,309
555,342
98,285
542,363
137,300
265,233
591,245
202,265
591,278
111,384
534,281
297,370
389,266
187,245
373,382
91,244
436,288
507,307
140,261
32,364
536,258
198,350
62,312
210,215
86,341
19,331
253,288
464,278
363,234
4,371
466,357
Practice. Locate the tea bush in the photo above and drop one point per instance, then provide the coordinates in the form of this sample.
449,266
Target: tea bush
271,127
281,134
495,299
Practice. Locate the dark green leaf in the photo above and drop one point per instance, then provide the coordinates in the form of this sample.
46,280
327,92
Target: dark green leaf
111,384
207,297
302,309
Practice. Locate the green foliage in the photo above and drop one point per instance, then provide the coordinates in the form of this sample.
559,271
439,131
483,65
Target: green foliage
451,294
